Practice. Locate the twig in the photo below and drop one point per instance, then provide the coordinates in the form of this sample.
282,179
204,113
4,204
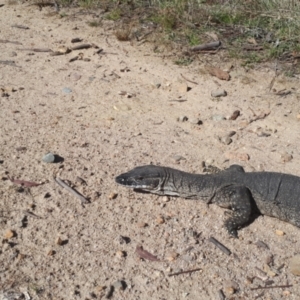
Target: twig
271,287
188,79
219,245
72,191
20,26
12,42
184,272
36,49
82,46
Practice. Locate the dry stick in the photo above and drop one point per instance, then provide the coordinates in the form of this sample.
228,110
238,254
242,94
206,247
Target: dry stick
36,49
72,191
219,245
80,47
20,26
212,45
271,287
188,79
185,272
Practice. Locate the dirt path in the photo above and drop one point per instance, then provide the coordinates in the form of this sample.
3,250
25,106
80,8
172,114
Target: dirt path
75,110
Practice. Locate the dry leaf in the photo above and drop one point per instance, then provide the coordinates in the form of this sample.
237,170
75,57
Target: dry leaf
214,71
145,254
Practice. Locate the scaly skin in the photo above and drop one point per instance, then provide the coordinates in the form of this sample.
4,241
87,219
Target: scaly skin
273,194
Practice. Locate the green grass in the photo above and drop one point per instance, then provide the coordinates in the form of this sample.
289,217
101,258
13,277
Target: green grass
186,23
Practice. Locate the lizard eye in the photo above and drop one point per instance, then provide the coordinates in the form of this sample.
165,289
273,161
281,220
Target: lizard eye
140,178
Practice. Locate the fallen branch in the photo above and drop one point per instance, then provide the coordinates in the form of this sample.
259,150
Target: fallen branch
184,272
208,46
72,191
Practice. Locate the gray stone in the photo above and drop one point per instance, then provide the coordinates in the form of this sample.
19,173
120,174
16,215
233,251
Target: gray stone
195,121
48,158
182,119
219,93
218,118
66,90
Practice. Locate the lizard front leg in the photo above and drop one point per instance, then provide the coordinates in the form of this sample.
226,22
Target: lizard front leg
238,199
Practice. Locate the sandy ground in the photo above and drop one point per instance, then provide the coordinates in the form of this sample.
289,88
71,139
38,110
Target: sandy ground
52,247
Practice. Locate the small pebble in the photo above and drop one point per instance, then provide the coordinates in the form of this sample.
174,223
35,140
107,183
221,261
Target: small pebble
50,252
66,90
280,232
235,114
195,121
141,224
178,158
172,256
9,234
182,119
182,87
226,140
120,254
160,220
48,158
286,157
119,285
112,196
165,199
218,118
59,241
219,93
294,265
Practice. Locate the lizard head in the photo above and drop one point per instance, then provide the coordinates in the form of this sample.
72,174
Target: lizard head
146,178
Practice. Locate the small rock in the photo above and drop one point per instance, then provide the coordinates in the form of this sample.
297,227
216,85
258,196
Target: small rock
279,232
235,114
226,140
120,285
195,121
182,87
124,240
269,272
286,157
178,158
219,93
218,118
230,287
59,241
182,119
67,90
49,158
112,196
160,220
75,76
141,224
9,234
172,256
298,116
237,156
165,199
120,254
50,252
209,162
294,265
